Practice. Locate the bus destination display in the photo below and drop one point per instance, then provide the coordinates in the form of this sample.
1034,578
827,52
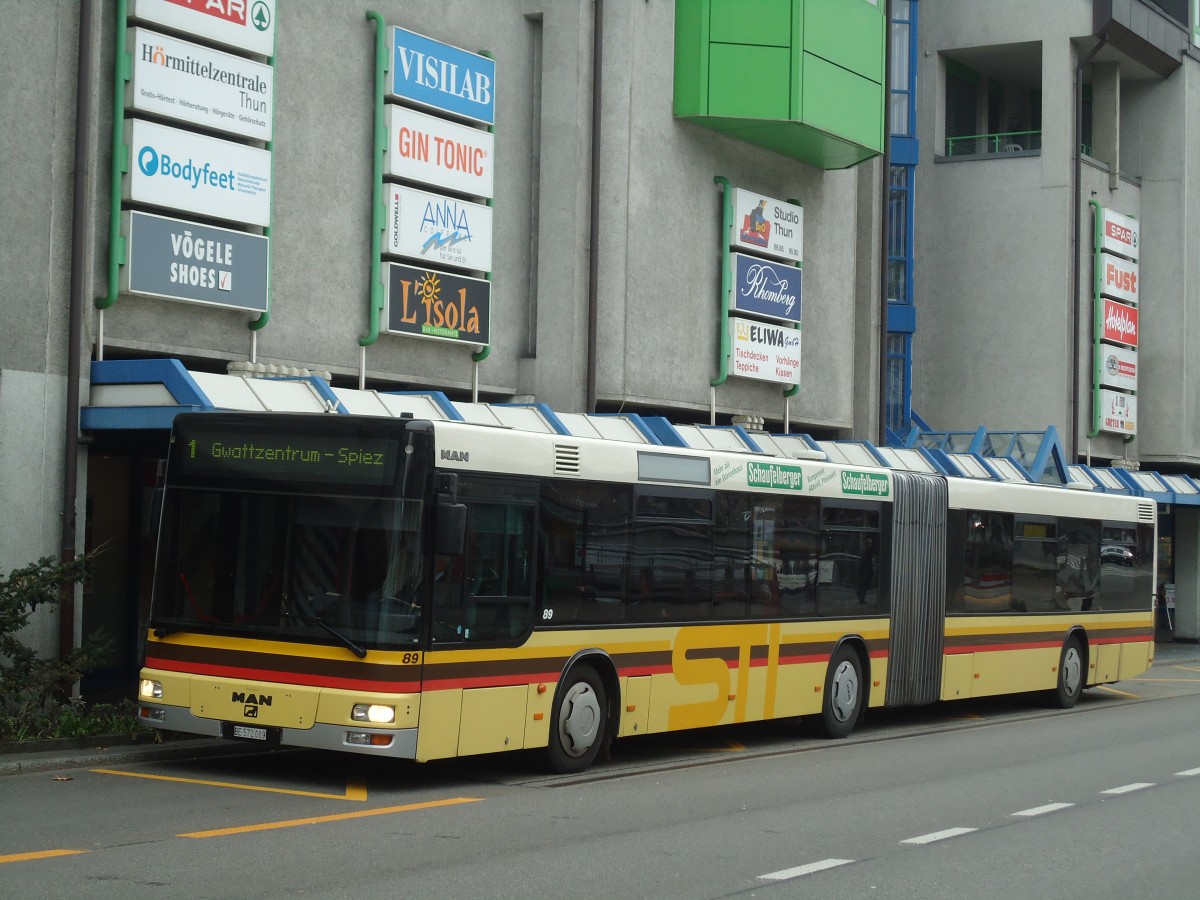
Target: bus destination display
337,460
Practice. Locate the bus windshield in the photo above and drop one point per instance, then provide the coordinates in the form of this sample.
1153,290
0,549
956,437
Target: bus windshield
295,528
290,566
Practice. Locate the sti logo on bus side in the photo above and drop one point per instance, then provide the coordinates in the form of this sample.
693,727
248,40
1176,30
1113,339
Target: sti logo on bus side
457,455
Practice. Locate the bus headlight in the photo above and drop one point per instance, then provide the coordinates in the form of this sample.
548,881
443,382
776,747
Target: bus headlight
150,689
379,715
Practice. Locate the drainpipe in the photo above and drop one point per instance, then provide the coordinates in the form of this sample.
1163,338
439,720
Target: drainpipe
881,427
1076,221
593,300
80,242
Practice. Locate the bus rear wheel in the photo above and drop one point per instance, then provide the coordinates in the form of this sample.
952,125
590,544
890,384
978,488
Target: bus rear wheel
1070,675
578,723
842,703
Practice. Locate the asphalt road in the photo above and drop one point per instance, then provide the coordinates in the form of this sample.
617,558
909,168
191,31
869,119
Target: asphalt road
986,799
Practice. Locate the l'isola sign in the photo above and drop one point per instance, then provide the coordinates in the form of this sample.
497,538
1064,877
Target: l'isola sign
429,303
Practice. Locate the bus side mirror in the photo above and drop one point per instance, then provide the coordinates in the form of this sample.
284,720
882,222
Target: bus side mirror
450,529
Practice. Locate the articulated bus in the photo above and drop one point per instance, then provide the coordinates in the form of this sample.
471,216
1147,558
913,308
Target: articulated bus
429,589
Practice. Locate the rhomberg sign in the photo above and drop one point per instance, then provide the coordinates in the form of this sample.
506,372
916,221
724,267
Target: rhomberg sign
432,304
766,288
443,77
246,24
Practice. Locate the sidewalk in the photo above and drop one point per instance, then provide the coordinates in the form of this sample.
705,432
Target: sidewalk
69,755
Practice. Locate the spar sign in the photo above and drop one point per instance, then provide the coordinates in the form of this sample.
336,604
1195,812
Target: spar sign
245,24
1120,234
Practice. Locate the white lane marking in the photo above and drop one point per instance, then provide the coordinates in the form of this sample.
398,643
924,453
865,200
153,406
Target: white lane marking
1187,772
1042,810
785,874
1126,788
938,836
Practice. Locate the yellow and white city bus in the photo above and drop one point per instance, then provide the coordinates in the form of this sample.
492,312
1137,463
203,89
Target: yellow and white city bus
428,589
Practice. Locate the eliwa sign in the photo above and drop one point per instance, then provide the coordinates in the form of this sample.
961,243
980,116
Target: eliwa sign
200,86
764,351
205,175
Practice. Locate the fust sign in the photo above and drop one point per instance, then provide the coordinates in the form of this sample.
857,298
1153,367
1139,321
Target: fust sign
432,304
442,77
1119,278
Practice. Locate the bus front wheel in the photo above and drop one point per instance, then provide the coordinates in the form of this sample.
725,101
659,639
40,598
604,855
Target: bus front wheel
1070,675
843,694
578,723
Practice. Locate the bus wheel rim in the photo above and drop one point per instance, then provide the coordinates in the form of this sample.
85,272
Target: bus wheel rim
1072,670
845,691
579,721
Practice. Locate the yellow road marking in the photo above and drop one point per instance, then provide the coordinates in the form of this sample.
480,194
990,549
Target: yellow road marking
1113,690
1165,680
39,854
1188,668
354,790
318,820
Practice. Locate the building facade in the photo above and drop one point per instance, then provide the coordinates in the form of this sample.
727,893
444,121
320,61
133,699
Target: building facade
217,189
549,202
1055,268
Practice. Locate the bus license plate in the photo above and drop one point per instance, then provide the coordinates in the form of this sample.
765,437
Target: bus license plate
257,733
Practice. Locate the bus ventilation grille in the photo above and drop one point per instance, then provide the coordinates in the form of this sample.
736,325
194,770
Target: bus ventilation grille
566,459
1145,512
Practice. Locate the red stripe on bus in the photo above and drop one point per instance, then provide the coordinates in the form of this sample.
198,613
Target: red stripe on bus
354,684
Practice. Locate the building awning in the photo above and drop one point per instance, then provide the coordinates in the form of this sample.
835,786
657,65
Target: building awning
147,394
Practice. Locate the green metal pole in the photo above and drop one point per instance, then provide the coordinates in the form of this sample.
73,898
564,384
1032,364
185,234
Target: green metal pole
726,280
123,71
378,214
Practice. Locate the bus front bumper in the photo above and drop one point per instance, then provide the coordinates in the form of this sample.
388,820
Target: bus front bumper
398,743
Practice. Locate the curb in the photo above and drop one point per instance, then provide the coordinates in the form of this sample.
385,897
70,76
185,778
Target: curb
88,757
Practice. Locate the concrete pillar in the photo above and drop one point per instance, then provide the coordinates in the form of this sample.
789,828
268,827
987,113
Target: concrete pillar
1106,118
1187,573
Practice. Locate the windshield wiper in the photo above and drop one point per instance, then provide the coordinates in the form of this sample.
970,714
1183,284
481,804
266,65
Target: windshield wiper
357,649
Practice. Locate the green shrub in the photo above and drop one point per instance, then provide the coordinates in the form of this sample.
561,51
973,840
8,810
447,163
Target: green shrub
35,693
